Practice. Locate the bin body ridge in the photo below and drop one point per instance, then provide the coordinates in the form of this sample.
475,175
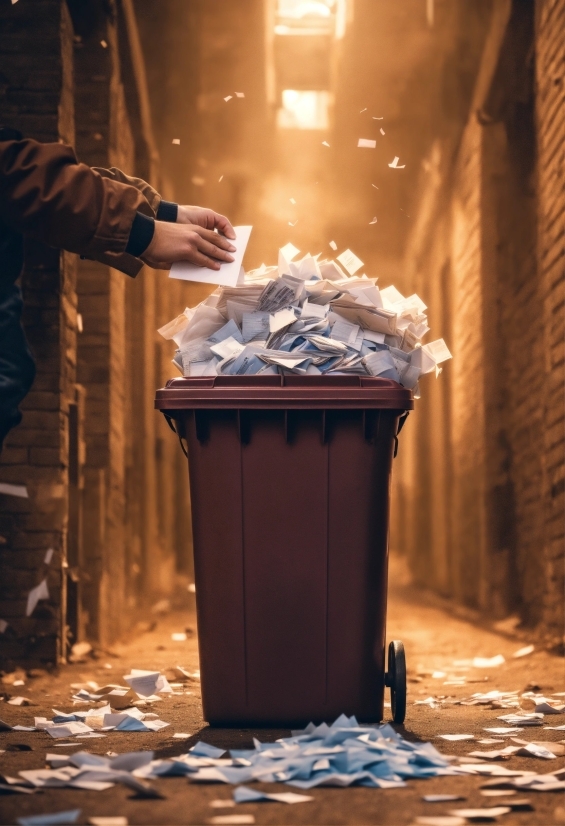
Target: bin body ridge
290,530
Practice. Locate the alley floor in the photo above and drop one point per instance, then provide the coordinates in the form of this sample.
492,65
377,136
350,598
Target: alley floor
434,640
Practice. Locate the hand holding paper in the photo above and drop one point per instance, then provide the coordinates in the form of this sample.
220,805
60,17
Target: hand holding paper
227,272
187,242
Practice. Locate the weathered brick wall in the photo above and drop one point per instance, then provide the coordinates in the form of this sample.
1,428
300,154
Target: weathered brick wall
481,465
36,89
550,99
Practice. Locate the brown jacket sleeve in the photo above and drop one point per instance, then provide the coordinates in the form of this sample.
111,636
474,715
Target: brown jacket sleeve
115,174
46,194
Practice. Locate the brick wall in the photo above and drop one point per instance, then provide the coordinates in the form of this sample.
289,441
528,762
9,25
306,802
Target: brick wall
104,473
479,481
550,94
36,93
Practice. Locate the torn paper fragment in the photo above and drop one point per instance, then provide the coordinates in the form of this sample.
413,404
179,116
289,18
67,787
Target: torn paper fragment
220,179
382,131
289,251
440,820
523,652
456,737
48,556
363,110
395,165
374,221
176,141
14,490
227,820
115,820
35,595
292,201
55,819
366,143
325,143
350,261
103,44
282,319
292,224
240,94
228,98
202,749
243,794
441,798
178,636
333,245
481,814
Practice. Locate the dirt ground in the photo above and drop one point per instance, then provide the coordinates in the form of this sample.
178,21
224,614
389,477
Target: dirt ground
433,639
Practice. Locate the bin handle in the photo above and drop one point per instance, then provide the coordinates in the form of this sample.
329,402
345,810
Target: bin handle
401,423
173,428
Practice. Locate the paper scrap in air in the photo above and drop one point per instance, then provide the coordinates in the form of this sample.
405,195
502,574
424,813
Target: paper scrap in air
325,143
333,245
176,141
395,164
366,143
228,273
39,592
14,490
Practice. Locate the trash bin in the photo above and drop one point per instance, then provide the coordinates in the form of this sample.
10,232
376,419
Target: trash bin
289,482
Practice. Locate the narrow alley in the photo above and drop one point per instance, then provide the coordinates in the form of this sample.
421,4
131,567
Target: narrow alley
282,412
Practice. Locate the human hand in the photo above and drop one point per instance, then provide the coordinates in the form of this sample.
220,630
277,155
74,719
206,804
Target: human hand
206,218
186,242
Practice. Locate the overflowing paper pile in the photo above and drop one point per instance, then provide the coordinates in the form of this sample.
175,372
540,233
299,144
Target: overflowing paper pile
307,317
343,754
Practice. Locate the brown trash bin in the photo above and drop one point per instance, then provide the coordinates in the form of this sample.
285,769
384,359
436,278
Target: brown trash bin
289,482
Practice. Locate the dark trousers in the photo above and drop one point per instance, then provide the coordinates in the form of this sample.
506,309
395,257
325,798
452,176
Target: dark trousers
17,367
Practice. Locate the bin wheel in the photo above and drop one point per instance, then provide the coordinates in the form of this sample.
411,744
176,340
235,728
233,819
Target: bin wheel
395,679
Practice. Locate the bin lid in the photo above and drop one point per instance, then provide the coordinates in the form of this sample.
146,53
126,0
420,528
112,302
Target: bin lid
283,393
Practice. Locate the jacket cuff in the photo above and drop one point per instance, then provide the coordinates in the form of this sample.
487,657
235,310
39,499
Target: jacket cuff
167,211
141,235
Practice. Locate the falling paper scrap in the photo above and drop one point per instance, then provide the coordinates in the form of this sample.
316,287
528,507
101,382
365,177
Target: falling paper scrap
325,143
382,131
333,245
395,164
365,143
307,317
48,556
240,94
14,490
228,98
176,141
39,592
374,221
523,652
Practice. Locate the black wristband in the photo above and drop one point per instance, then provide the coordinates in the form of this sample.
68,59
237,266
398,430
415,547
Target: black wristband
167,211
141,234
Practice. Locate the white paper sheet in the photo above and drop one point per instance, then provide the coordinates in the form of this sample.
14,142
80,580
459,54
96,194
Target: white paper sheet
228,273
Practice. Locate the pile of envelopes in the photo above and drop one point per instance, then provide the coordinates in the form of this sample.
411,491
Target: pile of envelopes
307,317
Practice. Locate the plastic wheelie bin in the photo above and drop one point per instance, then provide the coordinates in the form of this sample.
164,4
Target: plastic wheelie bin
289,483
